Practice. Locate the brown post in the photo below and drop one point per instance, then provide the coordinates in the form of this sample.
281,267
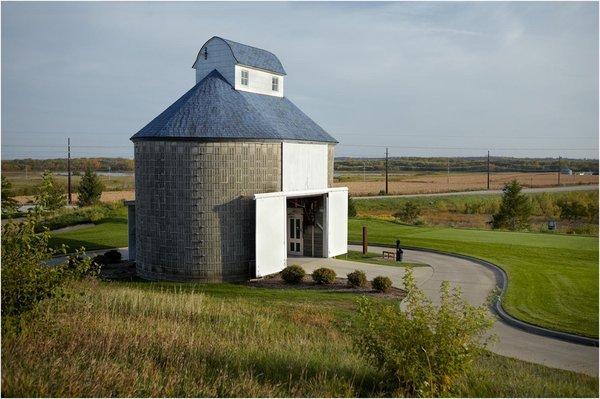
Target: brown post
365,243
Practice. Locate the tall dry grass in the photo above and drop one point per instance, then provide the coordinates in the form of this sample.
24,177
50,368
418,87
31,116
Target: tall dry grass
184,340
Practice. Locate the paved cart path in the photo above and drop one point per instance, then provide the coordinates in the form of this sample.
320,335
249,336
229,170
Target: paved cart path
476,282
488,192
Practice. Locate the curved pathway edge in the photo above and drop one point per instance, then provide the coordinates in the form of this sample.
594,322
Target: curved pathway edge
502,280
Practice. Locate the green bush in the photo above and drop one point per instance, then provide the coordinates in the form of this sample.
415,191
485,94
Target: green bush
422,349
357,279
409,212
112,256
381,284
71,217
9,205
25,278
99,260
351,207
323,275
50,195
576,208
293,274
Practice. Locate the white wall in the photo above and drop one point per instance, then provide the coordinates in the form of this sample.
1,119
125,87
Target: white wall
304,166
219,58
337,222
259,81
270,233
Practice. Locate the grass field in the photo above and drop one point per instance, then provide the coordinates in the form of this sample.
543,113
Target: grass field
437,182
375,259
369,184
110,232
552,279
188,340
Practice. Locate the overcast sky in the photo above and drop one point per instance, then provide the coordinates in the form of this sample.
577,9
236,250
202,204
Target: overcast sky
423,78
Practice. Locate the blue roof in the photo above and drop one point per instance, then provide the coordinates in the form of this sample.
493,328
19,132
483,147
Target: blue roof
255,57
214,110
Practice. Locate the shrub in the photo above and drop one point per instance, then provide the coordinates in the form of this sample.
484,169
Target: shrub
99,260
293,274
515,209
382,284
90,188
71,217
25,278
324,275
409,212
575,208
50,195
351,207
357,278
9,205
112,256
422,349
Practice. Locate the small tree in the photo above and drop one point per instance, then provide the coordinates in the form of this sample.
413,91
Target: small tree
90,188
50,195
9,205
351,207
409,212
515,209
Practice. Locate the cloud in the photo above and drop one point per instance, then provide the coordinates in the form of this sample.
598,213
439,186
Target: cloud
401,74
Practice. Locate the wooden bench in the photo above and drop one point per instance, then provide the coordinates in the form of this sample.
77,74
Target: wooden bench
389,255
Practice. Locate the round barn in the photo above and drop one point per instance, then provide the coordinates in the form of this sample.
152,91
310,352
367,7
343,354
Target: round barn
232,179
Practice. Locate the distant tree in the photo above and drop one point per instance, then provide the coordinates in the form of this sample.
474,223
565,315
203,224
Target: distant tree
90,188
50,194
351,207
515,209
9,205
409,212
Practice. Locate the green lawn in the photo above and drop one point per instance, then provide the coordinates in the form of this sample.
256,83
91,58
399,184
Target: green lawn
109,339
375,258
552,279
110,232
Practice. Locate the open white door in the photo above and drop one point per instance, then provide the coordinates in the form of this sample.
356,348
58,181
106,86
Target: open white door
270,235
337,222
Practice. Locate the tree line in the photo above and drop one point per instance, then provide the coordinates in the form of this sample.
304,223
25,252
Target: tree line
60,164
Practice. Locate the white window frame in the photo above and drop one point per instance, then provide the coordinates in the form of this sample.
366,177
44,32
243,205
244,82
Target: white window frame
275,83
244,77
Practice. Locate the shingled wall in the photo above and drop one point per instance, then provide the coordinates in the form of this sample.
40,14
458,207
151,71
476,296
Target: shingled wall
194,207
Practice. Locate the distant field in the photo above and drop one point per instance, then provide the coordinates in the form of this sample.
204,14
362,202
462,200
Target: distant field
369,184
430,182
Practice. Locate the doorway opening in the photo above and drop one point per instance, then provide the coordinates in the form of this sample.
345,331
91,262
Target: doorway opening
305,231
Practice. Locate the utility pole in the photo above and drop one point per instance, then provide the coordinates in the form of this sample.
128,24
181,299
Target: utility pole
448,174
364,171
386,171
559,167
488,170
69,168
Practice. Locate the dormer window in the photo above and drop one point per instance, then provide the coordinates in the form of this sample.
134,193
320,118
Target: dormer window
275,83
244,79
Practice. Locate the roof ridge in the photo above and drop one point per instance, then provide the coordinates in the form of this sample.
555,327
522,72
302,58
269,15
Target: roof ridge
247,45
